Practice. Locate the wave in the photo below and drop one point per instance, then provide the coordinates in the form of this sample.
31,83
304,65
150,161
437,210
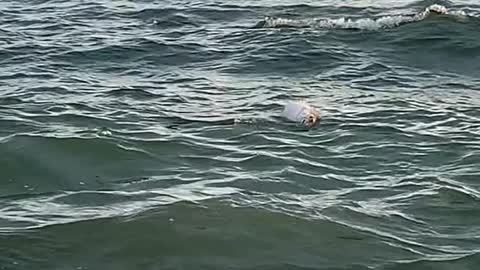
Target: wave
41,210
384,22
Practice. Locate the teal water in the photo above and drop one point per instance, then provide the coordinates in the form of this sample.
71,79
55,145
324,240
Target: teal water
148,135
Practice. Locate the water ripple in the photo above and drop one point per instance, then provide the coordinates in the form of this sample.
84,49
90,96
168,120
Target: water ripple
163,119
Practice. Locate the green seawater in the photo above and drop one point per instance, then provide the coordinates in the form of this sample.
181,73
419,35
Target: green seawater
148,135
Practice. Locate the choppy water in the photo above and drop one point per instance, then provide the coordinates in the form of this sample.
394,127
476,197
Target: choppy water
119,150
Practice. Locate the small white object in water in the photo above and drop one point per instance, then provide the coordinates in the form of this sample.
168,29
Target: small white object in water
301,113
103,132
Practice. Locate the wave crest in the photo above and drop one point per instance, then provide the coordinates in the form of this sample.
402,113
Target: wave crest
384,22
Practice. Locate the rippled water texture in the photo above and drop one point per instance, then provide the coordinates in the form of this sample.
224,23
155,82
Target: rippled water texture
147,135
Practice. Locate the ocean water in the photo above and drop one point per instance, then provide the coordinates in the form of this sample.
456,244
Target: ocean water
142,134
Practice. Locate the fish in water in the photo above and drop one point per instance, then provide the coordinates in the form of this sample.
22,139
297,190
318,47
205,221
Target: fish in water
302,113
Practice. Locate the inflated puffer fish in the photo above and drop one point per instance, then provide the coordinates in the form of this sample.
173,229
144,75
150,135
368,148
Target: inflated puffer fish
301,113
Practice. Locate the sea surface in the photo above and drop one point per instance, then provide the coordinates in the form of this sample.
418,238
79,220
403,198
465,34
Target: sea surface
142,134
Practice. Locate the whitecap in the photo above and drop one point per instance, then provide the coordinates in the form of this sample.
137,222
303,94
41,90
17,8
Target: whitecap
383,22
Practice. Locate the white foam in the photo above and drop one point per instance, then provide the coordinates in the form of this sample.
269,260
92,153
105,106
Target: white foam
362,23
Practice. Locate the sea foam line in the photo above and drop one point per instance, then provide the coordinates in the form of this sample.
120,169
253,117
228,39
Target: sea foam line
383,22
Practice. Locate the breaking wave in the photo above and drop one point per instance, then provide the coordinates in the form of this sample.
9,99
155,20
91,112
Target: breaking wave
384,22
